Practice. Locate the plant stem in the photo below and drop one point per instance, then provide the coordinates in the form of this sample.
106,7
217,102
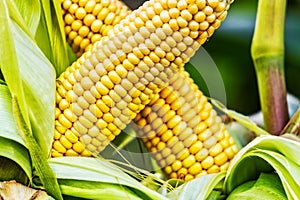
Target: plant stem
268,55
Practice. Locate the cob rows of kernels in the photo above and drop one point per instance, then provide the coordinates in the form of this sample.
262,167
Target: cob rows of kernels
86,21
152,41
183,131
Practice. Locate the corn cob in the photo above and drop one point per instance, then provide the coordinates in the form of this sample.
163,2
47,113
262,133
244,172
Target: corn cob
86,21
183,131
104,90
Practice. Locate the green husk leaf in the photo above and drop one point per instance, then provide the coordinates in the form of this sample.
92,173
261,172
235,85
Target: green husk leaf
8,125
12,145
39,159
267,186
99,170
96,190
28,75
51,37
18,167
59,39
266,154
30,11
9,62
242,119
197,189
38,78
16,16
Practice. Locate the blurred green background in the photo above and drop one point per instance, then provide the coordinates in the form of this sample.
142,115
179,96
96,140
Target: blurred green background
229,48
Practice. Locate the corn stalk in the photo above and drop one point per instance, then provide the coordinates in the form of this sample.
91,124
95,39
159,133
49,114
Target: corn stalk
268,56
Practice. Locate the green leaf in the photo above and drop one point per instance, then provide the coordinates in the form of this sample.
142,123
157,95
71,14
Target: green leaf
30,77
39,159
96,190
267,186
30,11
9,62
19,155
267,154
51,36
197,189
95,169
8,125
38,80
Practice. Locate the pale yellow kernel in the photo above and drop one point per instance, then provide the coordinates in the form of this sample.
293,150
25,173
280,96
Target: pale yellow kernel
80,13
157,22
195,169
221,159
161,146
85,139
194,26
85,122
193,9
154,142
71,152
186,15
181,5
166,152
182,172
132,77
76,25
59,147
172,141
224,167
108,117
215,150
211,141
168,169
73,8
202,154
102,106
208,10
196,147
164,15
230,152
200,17
57,134
112,127
55,153
170,41
188,177
182,22
207,162
78,147
64,121
69,19
65,142
190,140
189,161
101,124
133,59
174,13
70,115
174,121
179,146
94,131
170,159
114,77
172,3
105,80
176,165
66,4
213,169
